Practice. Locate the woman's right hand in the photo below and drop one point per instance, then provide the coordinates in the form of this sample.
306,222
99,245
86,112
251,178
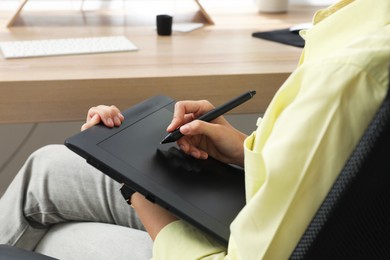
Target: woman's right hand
217,138
109,115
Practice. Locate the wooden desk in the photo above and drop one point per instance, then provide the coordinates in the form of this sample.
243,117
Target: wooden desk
216,62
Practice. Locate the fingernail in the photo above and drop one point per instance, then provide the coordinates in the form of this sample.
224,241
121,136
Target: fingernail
185,129
117,121
110,122
203,156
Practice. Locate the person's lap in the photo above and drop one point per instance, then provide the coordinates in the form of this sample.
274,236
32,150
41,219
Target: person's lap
86,240
57,186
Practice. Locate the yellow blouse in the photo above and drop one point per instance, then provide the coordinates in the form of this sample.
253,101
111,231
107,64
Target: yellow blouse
305,137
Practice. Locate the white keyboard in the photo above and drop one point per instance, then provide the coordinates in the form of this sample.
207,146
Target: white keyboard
55,47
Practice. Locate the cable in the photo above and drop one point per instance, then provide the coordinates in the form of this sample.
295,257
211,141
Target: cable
19,147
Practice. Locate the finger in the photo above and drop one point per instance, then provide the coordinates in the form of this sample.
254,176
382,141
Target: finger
192,144
116,115
91,113
188,118
186,111
110,115
198,153
91,122
198,127
189,148
178,115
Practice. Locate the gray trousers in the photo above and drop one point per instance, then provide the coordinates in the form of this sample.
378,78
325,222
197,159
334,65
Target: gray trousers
57,186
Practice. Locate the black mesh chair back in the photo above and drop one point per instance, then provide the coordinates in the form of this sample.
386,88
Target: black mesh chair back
354,220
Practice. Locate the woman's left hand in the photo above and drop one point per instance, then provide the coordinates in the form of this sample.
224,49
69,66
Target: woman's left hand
109,115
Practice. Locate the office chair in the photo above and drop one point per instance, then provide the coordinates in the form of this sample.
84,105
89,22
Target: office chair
354,220
13,253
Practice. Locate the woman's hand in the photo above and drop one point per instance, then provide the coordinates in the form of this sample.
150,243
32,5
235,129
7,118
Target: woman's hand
109,115
217,138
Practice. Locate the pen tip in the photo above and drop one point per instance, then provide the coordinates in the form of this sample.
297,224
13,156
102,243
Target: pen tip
168,139
165,140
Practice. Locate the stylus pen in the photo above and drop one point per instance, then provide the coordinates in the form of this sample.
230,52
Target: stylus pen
212,114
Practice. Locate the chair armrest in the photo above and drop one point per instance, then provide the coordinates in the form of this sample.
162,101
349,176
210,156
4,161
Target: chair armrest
14,253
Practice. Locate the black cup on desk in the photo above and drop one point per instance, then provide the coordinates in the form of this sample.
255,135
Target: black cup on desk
164,24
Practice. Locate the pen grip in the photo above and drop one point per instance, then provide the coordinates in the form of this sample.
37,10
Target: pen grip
176,134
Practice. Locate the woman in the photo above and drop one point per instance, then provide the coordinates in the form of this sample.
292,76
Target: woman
291,160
